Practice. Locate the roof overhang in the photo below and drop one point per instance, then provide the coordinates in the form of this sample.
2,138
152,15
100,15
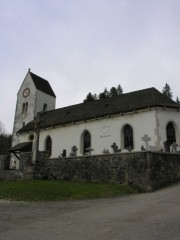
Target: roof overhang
21,147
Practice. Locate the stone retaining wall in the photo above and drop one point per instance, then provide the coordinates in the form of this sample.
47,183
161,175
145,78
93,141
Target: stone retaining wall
11,175
4,162
146,170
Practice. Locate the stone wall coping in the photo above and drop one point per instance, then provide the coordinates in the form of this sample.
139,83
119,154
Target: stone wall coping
115,154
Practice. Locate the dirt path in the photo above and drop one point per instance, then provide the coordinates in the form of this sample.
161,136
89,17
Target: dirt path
147,216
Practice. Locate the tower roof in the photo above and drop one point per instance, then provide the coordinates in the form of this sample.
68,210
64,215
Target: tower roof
42,84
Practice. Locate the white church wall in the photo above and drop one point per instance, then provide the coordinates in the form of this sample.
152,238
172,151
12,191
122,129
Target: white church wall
23,116
104,132
26,116
166,116
34,101
25,137
43,98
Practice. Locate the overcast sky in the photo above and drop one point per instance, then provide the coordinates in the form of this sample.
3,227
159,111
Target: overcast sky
83,46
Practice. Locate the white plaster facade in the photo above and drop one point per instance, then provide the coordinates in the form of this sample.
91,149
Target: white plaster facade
104,132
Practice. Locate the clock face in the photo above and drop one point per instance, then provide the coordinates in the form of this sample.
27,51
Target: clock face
26,92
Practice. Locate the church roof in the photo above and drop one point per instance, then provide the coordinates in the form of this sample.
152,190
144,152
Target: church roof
42,84
133,101
22,147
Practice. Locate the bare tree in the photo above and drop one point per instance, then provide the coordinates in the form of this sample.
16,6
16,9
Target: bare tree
2,129
5,140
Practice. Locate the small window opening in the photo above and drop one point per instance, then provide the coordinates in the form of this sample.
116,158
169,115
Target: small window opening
26,107
31,137
44,107
23,107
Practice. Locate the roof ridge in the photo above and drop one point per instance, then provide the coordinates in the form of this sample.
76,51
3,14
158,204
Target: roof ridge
38,76
102,99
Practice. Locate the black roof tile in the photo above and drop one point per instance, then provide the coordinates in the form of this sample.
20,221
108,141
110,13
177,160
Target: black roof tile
22,147
42,84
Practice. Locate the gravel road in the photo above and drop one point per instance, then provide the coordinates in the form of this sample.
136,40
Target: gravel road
148,216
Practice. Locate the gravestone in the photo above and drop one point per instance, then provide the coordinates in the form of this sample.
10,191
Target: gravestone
115,148
105,151
63,154
152,148
88,151
173,147
129,148
166,146
146,139
73,151
142,148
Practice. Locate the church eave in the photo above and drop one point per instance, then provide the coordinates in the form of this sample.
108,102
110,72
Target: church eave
79,121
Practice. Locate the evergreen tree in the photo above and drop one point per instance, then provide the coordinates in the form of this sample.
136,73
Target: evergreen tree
119,89
167,91
101,95
2,129
177,100
5,140
90,97
113,92
104,94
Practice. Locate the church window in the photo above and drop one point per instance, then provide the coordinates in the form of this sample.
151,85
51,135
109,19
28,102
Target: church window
49,145
31,137
86,141
23,107
26,107
44,107
128,137
170,132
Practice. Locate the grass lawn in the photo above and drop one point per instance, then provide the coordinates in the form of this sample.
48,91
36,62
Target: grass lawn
44,190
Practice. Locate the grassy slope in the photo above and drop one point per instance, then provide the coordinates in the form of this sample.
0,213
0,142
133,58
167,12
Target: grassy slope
43,190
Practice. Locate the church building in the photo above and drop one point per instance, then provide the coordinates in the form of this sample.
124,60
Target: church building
135,121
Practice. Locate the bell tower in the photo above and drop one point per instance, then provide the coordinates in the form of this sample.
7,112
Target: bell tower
35,95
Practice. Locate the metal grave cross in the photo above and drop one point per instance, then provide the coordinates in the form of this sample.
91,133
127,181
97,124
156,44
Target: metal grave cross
89,150
146,139
114,147
174,147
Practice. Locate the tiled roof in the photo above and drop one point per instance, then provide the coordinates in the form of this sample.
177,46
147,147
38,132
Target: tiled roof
124,103
22,147
42,84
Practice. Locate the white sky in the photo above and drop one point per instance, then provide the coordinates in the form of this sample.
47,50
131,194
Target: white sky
83,46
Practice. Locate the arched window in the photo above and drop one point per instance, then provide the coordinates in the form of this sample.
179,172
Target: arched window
128,137
86,142
170,132
49,145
